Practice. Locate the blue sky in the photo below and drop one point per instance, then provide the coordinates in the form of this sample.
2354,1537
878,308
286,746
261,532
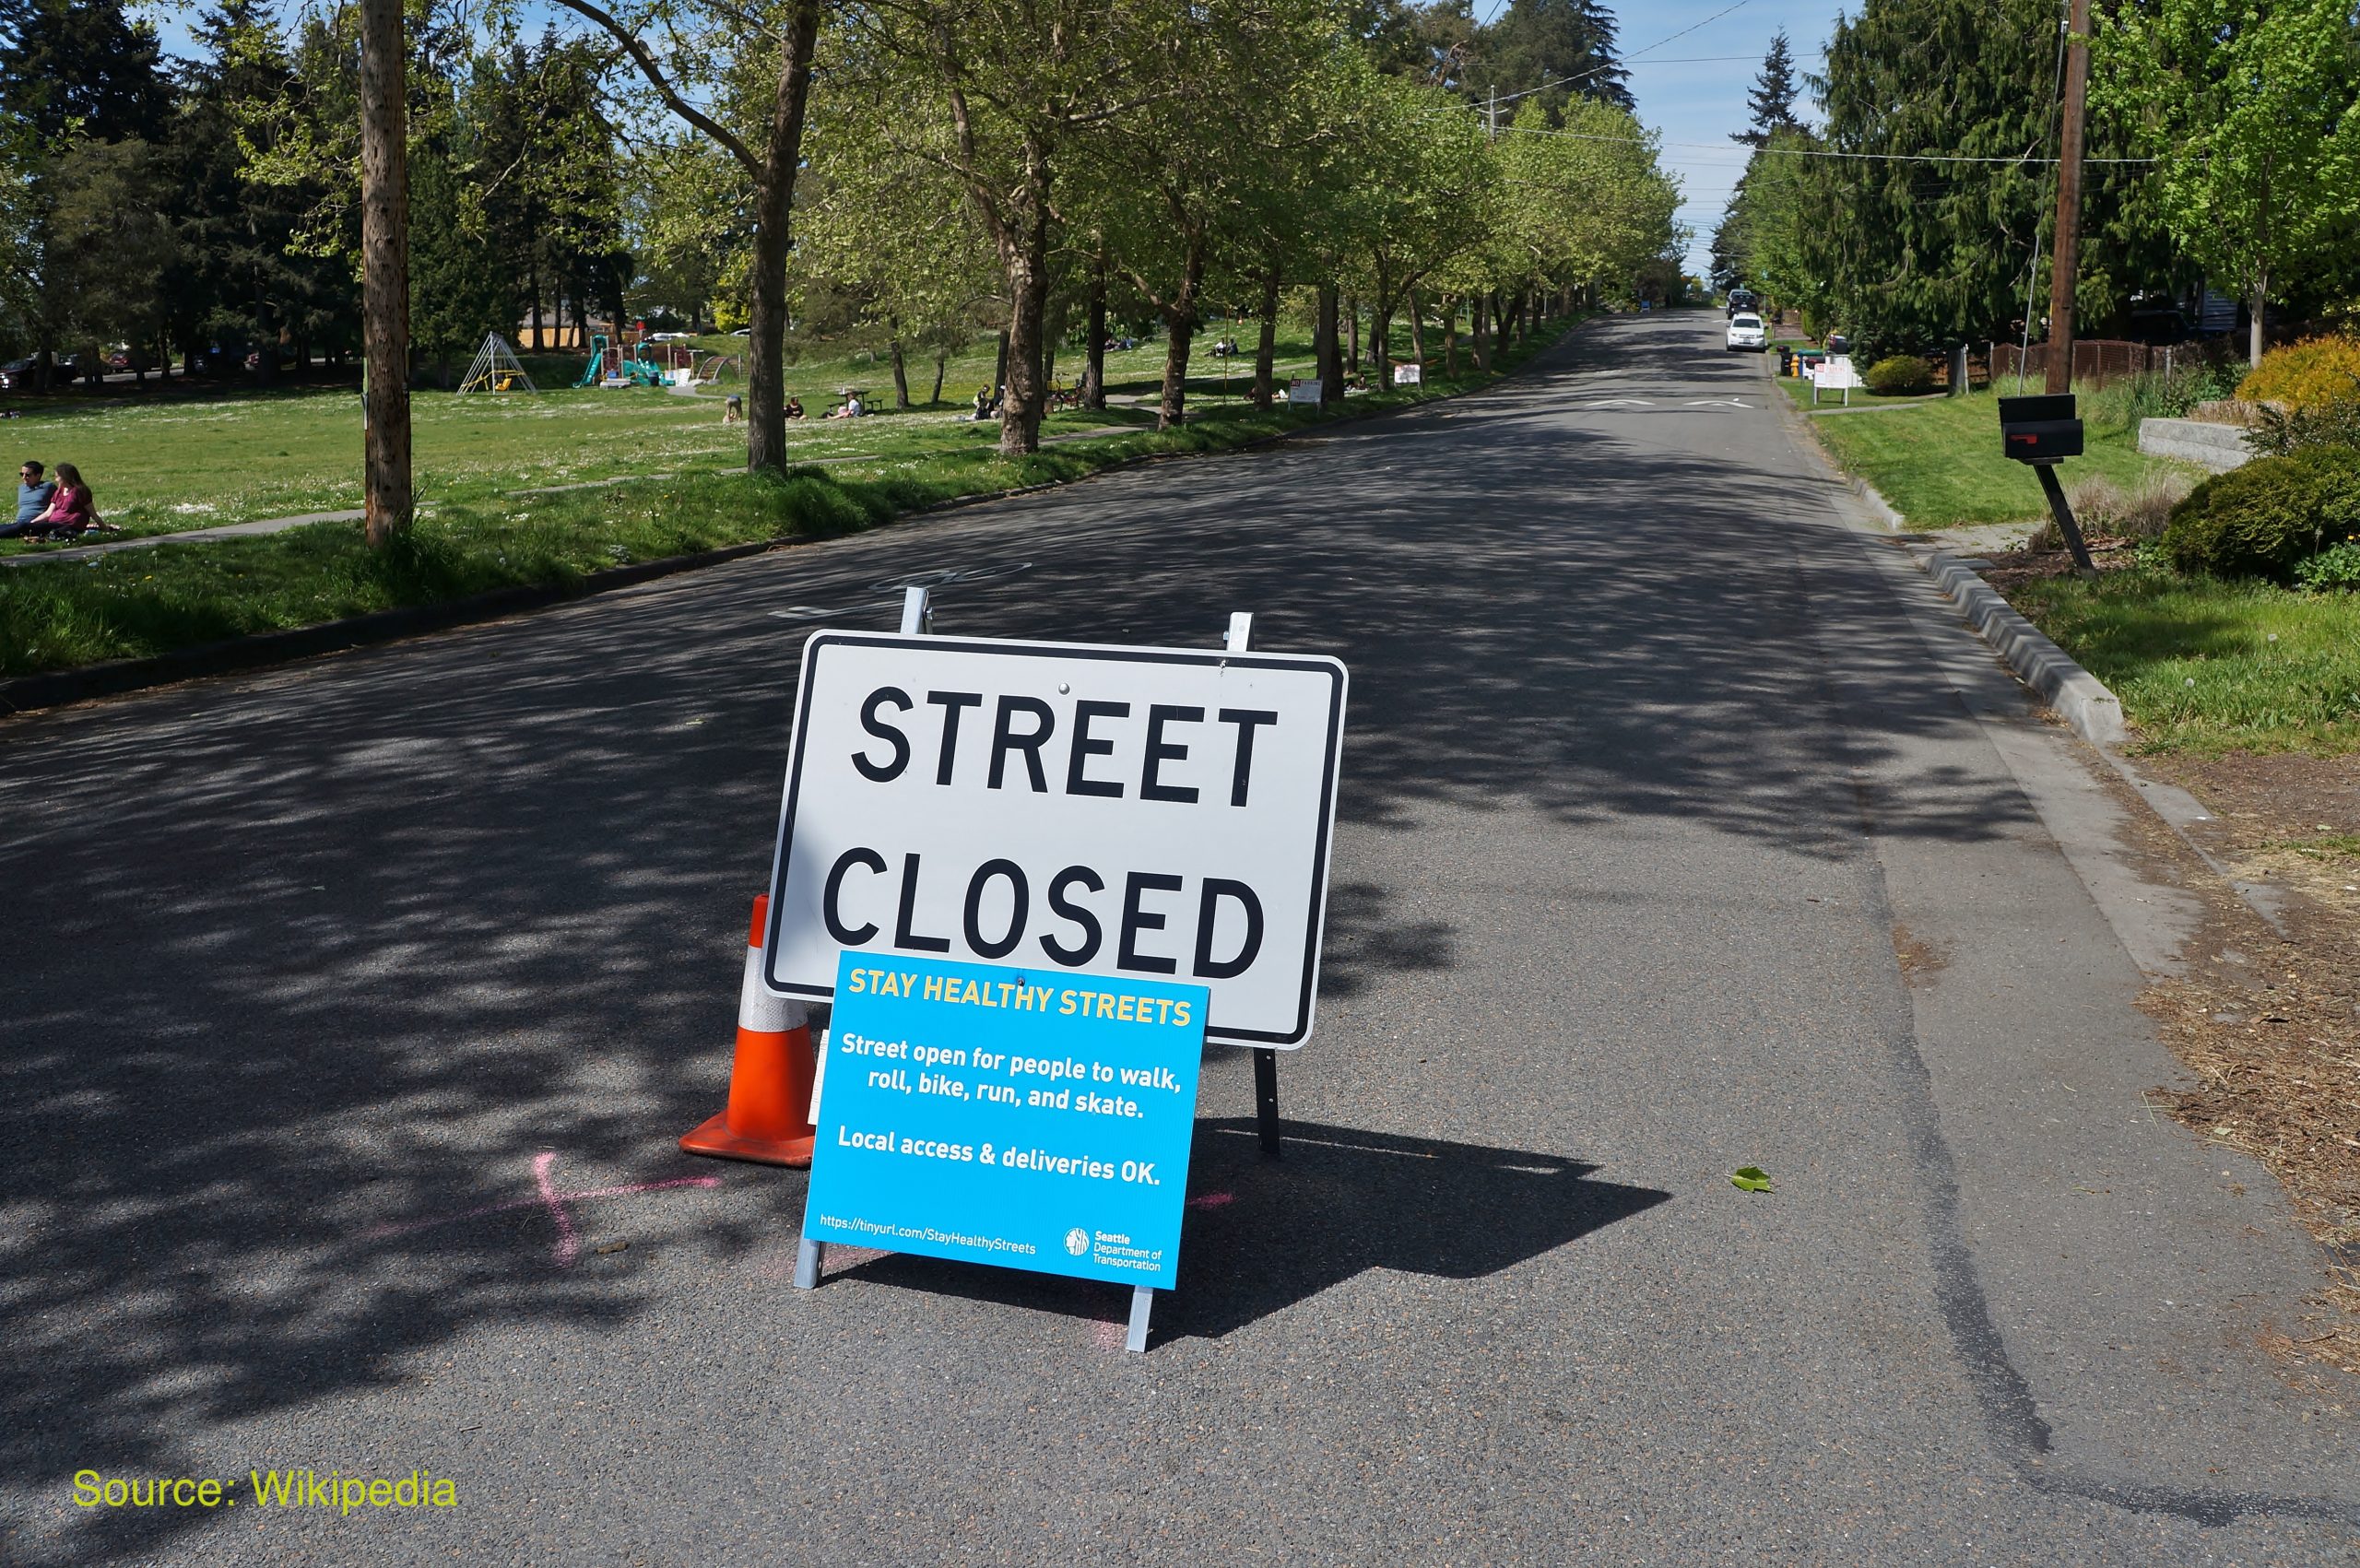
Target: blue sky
1690,86
1694,98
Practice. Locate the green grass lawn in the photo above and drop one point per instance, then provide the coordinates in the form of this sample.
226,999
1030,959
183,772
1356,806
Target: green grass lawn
475,532
1938,463
167,463
2206,667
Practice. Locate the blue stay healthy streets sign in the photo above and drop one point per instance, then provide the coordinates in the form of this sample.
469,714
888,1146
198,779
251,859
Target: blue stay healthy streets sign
1036,1119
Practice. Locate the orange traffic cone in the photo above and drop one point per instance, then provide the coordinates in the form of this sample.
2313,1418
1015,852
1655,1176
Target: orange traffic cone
770,1082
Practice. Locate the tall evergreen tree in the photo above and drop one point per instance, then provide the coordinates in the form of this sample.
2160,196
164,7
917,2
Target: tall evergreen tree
1918,254
81,68
1770,102
1552,51
242,278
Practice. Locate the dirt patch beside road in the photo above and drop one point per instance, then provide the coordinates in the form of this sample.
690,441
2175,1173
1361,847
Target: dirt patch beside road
2269,1020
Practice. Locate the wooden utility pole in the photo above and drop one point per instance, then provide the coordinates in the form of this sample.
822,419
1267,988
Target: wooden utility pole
2066,254
385,270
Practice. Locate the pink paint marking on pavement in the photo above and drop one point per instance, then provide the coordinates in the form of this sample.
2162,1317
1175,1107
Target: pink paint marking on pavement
567,1245
569,1242
1212,1200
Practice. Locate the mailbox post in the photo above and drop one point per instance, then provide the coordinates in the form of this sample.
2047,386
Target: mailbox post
2043,432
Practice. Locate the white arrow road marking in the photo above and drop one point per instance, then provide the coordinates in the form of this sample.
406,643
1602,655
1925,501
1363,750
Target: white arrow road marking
1719,403
1614,402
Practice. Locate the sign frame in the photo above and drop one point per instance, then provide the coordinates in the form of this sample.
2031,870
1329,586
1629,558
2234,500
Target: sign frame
1307,983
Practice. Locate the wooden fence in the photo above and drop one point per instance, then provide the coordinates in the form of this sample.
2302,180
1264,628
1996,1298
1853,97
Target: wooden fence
2096,361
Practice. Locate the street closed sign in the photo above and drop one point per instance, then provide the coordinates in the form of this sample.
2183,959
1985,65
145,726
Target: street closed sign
1151,813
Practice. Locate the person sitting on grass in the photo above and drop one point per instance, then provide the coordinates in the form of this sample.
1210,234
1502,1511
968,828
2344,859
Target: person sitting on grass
851,410
795,408
33,493
71,510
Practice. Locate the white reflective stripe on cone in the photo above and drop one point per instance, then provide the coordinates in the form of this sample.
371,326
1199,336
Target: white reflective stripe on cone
762,1009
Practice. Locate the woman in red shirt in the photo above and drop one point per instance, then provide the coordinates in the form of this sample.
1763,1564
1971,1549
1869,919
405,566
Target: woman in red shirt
71,509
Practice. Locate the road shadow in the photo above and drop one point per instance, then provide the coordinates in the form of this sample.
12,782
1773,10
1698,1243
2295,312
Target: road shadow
1262,1235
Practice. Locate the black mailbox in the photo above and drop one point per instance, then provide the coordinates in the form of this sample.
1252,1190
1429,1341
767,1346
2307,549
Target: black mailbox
2039,429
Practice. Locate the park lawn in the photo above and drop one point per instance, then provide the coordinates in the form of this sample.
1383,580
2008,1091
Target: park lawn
180,463
1939,463
2193,661
131,604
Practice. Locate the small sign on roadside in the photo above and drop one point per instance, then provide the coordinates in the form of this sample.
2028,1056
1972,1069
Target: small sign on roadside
1409,374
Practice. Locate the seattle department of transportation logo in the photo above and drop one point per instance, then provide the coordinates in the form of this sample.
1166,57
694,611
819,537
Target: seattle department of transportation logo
1077,1241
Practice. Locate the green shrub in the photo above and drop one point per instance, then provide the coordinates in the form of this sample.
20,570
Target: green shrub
2259,520
1900,376
2276,433
2334,568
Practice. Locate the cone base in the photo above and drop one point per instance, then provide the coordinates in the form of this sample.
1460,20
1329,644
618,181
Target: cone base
715,1140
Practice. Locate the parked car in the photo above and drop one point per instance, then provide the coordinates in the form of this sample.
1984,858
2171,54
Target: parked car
17,374
1746,331
1743,300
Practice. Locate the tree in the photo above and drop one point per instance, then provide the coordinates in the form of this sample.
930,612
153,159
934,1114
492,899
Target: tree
1180,185
783,36
1917,251
1555,50
109,245
384,271
1000,94
2252,112
73,73
241,275
895,235
1770,102
81,69
457,294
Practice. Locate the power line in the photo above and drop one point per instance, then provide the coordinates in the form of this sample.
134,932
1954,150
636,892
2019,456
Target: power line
1618,65
1810,151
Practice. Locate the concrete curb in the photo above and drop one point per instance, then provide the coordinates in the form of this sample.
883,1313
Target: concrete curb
2081,698
56,689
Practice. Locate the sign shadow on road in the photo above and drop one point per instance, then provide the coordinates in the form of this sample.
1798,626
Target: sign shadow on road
1263,1235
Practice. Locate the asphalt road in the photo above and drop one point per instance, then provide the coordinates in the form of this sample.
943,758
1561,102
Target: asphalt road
1654,765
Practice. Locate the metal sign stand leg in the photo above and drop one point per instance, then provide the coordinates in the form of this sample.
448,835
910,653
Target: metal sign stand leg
1265,1060
810,1257
1142,1304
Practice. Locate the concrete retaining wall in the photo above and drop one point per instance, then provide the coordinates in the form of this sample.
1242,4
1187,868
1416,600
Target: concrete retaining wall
2217,447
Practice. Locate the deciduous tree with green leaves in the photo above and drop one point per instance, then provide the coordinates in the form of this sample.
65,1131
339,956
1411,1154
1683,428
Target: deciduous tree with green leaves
2251,110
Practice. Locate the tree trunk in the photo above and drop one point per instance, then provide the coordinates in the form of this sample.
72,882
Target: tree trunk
901,380
1417,328
2257,304
941,364
1327,350
1476,333
1093,374
1024,255
1266,351
774,217
385,270
533,286
1380,327
1450,337
1352,327
1179,335
999,365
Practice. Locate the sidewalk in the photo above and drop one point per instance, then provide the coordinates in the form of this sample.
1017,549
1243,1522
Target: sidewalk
193,535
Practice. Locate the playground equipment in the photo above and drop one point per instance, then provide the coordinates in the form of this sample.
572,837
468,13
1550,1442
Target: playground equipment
496,368
618,364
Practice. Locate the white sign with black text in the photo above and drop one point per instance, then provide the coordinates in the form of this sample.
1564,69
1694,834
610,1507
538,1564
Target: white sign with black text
1155,812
